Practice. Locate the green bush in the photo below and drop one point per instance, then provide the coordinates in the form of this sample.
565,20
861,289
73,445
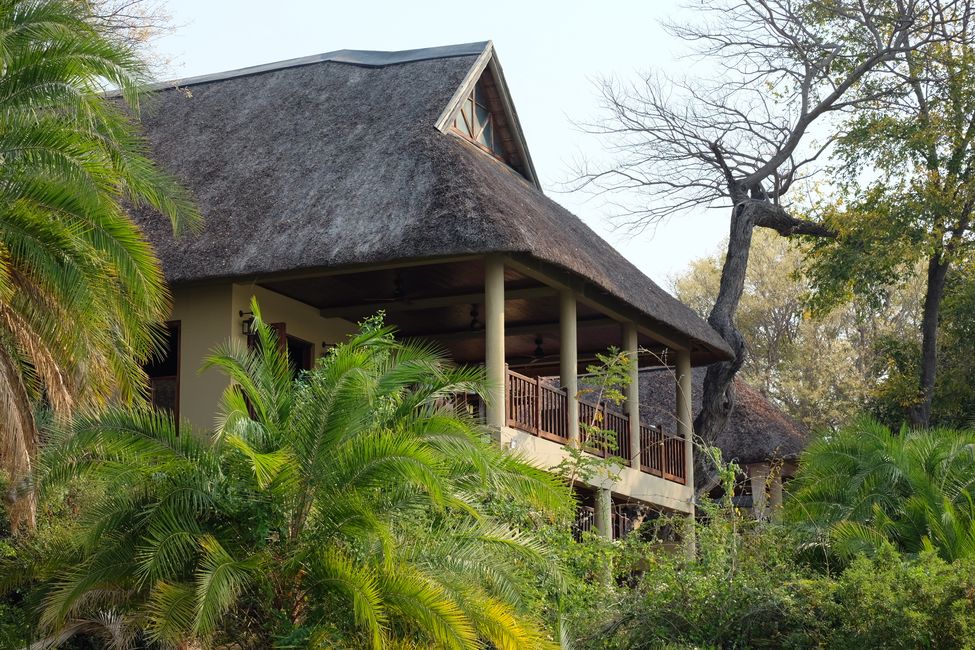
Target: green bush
888,601
749,587
865,486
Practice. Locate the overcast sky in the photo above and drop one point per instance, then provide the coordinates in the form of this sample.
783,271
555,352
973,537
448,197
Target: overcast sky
551,51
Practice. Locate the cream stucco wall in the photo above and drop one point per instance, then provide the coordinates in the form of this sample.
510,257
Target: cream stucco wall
210,315
204,315
301,320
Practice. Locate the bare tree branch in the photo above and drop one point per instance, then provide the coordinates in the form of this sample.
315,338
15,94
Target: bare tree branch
744,139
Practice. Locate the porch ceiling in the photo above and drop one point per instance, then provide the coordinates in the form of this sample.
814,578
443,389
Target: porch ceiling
444,303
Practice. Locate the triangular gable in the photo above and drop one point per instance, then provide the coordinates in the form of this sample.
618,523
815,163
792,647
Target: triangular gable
481,112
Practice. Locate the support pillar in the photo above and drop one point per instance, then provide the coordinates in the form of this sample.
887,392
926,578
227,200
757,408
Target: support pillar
685,429
685,415
604,512
494,339
776,490
758,474
569,360
631,347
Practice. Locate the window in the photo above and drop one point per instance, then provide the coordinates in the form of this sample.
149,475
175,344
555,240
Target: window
301,353
163,371
475,120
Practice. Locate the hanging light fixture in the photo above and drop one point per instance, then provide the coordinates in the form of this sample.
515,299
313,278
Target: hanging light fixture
539,352
476,324
246,325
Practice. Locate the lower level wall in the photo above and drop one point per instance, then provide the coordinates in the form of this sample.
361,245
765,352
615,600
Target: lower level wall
632,484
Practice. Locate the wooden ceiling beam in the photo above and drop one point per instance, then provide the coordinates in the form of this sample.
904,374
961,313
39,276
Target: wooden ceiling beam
510,330
431,302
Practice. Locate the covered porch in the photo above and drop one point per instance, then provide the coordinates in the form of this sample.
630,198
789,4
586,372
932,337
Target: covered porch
535,328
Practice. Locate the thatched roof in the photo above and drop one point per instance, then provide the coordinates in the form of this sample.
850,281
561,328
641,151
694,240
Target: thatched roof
757,431
334,160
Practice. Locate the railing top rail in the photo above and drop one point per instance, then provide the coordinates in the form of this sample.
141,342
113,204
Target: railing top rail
606,408
521,376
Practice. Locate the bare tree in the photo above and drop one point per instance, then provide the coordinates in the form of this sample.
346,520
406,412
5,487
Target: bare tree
746,140
136,22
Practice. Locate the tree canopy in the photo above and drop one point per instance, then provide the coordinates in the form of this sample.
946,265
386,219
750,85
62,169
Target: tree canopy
820,366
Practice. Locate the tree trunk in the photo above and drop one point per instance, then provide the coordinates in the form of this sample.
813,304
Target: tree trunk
718,398
919,414
19,443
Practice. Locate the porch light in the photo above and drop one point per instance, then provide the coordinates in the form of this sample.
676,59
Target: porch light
539,352
246,325
476,324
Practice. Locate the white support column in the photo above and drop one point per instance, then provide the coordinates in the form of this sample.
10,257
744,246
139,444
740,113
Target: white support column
758,473
494,339
569,359
685,429
631,347
603,512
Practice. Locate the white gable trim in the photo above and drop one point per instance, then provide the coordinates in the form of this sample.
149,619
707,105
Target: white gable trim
488,60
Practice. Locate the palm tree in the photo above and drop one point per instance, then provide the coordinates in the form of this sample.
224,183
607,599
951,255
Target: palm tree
864,486
345,508
81,291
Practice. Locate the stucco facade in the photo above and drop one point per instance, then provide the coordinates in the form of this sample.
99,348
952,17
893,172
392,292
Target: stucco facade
211,315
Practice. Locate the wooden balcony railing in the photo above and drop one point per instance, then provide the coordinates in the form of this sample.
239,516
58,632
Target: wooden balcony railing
538,407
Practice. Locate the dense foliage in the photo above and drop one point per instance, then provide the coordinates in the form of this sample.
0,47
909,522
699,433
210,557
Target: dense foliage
902,194
819,367
750,589
349,507
864,487
81,291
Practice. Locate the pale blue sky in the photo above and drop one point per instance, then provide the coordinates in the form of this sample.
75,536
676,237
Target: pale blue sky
551,53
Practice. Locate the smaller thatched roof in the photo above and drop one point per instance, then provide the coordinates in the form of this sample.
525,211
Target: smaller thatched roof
757,430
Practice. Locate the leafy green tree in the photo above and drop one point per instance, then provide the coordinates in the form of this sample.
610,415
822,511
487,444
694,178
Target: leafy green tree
865,486
81,291
905,191
819,367
345,508
603,386
748,138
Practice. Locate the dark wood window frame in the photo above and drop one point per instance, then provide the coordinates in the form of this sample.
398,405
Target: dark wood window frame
281,330
471,134
178,326
307,362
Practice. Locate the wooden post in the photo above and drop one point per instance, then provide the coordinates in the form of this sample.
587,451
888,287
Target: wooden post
685,416
569,361
631,347
494,339
685,429
776,496
538,406
758,473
